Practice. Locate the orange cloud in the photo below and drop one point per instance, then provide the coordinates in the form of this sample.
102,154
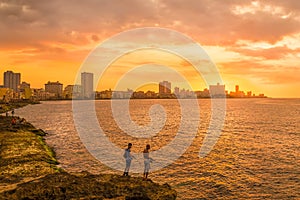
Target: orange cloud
50,39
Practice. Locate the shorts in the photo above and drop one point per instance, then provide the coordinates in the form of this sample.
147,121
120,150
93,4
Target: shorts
128,163
147,165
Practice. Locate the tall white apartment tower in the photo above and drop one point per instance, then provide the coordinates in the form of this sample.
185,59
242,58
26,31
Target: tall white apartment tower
87,85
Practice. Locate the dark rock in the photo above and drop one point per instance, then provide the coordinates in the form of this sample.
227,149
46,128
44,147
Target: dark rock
64,185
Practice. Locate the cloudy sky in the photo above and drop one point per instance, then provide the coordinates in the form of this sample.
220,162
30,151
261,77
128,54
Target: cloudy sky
255,44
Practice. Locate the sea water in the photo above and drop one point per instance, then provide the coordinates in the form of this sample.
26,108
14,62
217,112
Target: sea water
257,155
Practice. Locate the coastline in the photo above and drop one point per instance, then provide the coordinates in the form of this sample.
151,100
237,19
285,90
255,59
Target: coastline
7,107
29,169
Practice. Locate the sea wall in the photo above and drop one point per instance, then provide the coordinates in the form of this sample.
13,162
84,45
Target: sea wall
29,170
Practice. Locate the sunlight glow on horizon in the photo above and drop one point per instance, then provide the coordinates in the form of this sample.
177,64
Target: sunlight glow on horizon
258,48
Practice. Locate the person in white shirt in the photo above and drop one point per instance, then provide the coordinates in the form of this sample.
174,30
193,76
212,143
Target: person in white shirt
147,161
128,157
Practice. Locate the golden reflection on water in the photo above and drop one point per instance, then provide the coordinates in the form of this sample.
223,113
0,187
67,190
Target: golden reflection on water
256,157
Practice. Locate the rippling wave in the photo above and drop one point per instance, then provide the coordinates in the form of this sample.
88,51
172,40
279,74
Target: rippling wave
256,157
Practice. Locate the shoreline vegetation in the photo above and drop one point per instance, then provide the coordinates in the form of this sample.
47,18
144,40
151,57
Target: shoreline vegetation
29,170
8,107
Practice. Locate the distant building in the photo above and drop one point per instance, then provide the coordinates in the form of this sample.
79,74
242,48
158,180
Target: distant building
217,91
107,94
164,89
150,94
12,80
122,94
138,95
55,88
183,93
41,94
87,84
176,91
203,94
25,91
24,85
249,94
72,92
237,89
238,93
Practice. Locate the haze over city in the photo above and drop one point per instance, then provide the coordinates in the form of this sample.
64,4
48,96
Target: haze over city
255,44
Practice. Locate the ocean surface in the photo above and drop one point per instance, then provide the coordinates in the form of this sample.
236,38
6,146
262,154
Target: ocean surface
257,155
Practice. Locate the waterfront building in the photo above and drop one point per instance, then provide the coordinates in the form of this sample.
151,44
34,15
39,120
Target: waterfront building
138,95
150,94
24,85
176,91
87,85
249,94
107,94
217,91
72,92
54,88
164,89
122,94
25,91
12,80
40,94
237,89
203,94
261,96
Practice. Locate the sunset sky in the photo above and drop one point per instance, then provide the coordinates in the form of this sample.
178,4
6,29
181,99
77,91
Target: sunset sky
255,44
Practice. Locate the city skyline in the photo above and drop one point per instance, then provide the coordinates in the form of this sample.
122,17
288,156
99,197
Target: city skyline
87,78
14,89
258,46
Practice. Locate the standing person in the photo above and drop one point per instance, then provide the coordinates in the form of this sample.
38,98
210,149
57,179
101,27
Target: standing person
147,161
12,112
128,157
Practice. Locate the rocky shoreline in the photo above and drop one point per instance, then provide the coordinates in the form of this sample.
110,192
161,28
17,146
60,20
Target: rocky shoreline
8,107
29,170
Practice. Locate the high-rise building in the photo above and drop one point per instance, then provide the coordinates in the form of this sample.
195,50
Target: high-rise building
237,89
87,84
12,80
55,88
164,88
